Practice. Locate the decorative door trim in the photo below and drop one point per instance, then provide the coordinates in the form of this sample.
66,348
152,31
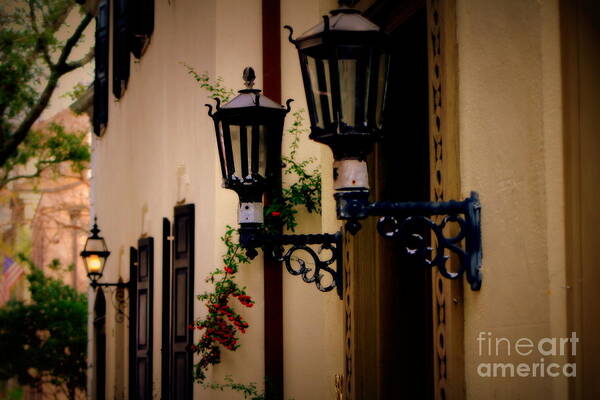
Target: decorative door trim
448,311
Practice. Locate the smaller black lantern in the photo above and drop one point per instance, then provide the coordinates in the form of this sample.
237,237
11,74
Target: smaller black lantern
344,62
249,129
94,255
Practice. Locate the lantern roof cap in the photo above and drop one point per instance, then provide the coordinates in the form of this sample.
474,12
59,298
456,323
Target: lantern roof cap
342,19
250,97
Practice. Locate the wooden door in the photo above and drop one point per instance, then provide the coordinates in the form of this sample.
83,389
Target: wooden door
396,310
580,20
100,346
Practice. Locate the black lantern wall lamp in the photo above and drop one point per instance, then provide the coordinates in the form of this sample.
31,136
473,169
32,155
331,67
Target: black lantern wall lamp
94,254
344,62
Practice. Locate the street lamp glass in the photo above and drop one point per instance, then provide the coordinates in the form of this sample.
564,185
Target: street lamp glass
248,131
95,254
344,62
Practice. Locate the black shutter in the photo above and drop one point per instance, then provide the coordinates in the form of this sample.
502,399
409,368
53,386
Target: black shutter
121,39
182,310
133,260
166,308
144,324
140,320
142,25
100,118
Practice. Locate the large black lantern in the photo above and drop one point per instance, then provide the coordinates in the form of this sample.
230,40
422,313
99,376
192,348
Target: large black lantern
94,255
249,131
344,62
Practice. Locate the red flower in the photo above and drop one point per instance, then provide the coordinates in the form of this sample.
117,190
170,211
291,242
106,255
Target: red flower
275,213
229,270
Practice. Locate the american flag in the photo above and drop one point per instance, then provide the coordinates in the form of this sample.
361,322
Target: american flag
11,272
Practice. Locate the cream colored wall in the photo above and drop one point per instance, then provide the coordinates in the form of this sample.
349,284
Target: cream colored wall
152,147
159,149
313,321
511,153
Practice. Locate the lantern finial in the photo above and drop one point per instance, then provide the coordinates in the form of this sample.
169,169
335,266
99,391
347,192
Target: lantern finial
95,231
249,76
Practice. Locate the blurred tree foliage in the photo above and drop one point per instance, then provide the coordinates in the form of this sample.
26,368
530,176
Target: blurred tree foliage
43,151
32,60
44,340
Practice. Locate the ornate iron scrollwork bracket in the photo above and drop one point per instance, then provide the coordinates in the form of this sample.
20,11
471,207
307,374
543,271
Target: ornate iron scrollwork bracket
406,221
118,298
298,254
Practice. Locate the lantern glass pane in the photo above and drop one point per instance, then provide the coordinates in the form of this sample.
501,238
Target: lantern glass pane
249,148
384,61
221,149
320,83
94,264
355,69
259,150
347,72
95,244
236,147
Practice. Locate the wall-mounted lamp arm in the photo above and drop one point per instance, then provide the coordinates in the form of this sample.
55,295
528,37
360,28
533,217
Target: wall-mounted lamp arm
123,285
315,266
406,222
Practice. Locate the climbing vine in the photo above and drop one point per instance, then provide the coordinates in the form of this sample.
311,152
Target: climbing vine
221,326
306,188
222,323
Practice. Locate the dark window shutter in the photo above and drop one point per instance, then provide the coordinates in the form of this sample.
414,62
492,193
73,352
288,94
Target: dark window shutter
133,260
141,334
121,40
142,25
166,309
182,301
100,118
145,296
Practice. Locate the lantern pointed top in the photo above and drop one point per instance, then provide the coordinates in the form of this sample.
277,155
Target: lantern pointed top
249,76
249,96
95,230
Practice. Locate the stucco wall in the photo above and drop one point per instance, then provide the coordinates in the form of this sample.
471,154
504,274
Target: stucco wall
159,149
511,153
313,321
